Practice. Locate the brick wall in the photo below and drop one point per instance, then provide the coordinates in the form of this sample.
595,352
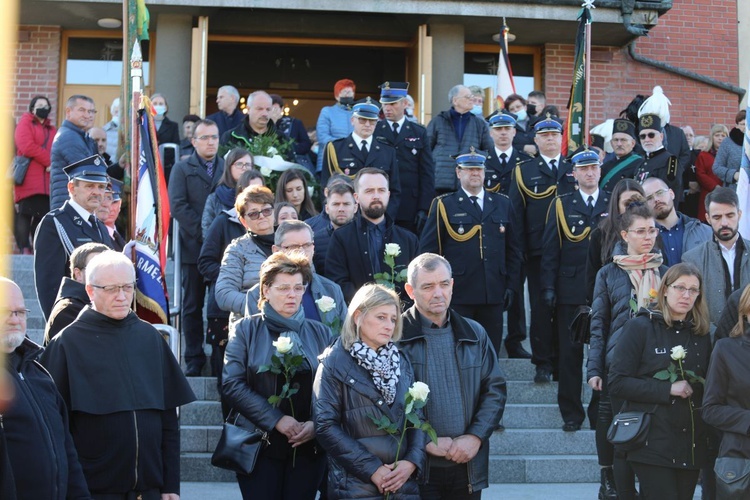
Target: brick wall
37,67
684,38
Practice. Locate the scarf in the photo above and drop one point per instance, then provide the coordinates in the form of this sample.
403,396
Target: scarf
285,327
383,365
643,271
737,136
226,195
264,241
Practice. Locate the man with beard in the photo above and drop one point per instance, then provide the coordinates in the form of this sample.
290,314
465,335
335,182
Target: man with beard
356,251
338,211
64,229
626,162
678,233
257,123
724,262
659,161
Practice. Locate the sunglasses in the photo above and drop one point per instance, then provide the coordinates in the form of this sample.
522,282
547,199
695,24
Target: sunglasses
650,135
266,212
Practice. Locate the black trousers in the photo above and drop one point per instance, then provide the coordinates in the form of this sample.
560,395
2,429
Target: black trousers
665,483
605,451
154,494
276,479
570,368
193,297
490,316
448,483
517,319
541,329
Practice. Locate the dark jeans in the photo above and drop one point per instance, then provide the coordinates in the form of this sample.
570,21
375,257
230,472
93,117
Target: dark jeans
604,449
193,297
624,475
541,329
448,483
517,319
276,479
490,316
570,368
665,483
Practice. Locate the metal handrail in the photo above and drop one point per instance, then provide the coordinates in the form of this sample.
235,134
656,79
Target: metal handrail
175,307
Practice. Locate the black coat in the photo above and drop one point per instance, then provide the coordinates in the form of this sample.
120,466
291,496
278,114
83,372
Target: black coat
416,170
189,186
51,263
498,178
563,260
168,133
70,301
482,381
348,261
322,231
227,122
43,457
644,349
665,166
729,316
483,266
726,403
531,207
345,399
623,168
243,134
351,160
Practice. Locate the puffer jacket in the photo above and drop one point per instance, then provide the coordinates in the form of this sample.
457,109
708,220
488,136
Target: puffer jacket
642,351
34,141
441,137
240,270
609,312
70,145
345,399
483,386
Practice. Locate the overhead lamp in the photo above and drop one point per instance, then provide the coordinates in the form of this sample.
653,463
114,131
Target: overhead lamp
496,37
109,23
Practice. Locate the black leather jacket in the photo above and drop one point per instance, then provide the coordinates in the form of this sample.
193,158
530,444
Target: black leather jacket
483,385
345,398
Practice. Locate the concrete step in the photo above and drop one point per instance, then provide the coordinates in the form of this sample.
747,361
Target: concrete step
544,469
197,467
542,442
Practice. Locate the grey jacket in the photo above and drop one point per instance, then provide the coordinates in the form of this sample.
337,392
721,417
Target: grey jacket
70,145
709,260
240,270
320,286
442,140
728,161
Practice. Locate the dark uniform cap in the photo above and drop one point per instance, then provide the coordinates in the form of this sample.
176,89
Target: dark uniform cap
473,158
621,126
585,158
649,122
393,91
366,109
91,169
597,141
502,120
115,187
547,125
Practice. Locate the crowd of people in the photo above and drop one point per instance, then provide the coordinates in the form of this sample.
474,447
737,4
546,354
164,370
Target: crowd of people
401,271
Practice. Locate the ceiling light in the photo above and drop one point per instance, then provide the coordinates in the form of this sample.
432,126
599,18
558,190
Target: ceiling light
496,37
109,22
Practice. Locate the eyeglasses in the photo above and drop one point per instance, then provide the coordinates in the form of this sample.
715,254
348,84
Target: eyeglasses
657,194
18,313
208,138
642,231
285,289
266,212
303,246
87,111
693,292
650,135
366,121
113,289
242,165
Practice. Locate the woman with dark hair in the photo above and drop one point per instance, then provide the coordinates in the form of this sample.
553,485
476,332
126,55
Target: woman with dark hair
33,138
292,187
364,376
524,138
726,404
282,211
704,171
674,333
729,156
292,465
236,162
630,279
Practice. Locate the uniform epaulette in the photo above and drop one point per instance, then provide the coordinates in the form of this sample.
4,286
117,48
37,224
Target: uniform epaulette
521,162
441,196
501,194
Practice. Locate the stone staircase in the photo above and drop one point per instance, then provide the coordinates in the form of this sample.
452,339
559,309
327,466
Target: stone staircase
531,449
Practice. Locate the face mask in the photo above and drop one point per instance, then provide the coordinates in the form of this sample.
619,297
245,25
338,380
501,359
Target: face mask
521,115
477,110
42,113
531,109
116,119
346,101
160,110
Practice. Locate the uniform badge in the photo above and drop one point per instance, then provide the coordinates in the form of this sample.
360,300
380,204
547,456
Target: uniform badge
461,229
351,164
494,176
502,228
413,151
97,161
77,220
346,171
573,230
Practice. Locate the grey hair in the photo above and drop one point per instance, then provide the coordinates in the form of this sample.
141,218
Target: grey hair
369,297
106,259
428,262
254,95
75,98
231,91
290,226
453,92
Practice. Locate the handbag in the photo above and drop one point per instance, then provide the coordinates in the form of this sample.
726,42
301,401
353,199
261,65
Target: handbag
19,167
732,478
580,327
239,445
629,429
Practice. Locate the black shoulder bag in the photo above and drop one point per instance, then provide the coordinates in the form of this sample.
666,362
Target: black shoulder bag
629,429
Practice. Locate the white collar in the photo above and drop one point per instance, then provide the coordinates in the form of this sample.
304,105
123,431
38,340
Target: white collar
585,196
480,195
400,123
358,140
85,214
508,152
548,159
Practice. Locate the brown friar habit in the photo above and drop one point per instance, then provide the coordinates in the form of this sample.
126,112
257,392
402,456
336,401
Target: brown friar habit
121,384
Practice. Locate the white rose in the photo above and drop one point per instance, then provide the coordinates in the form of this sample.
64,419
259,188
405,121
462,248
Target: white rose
678,352
272,151
326,304
265,171
392,249
419,391
283,345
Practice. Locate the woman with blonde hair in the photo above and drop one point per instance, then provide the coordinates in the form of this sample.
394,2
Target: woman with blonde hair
704,172
362,377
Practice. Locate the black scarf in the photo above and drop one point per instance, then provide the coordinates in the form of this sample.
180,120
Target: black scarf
226,195
264,241
277,323
384,366
737,136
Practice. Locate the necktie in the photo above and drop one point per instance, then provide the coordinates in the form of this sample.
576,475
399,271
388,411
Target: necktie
504,160
210,168
92,220
395,128
364,147
590,204
553,166
475,203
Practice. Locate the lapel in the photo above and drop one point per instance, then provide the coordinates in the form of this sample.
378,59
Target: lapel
489,204
602,205
194,162
356,151
82,223
544,168
465,205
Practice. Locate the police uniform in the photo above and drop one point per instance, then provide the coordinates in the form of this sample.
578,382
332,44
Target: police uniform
115,187
621,168
344,156
660,163
499,171
415,165
483,251
563,266
533,190
63,230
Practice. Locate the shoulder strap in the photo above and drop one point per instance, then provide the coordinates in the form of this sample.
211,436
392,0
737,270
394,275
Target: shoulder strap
562,225
64,238
333,162
531,194
618,169
443,215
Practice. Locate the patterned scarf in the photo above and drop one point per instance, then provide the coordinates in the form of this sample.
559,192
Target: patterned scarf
643,271
383,365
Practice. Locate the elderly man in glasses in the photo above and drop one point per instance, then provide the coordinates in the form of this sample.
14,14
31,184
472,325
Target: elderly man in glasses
659,161
122,386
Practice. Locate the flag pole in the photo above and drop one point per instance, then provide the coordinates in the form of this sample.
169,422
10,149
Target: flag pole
136,76
587,68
